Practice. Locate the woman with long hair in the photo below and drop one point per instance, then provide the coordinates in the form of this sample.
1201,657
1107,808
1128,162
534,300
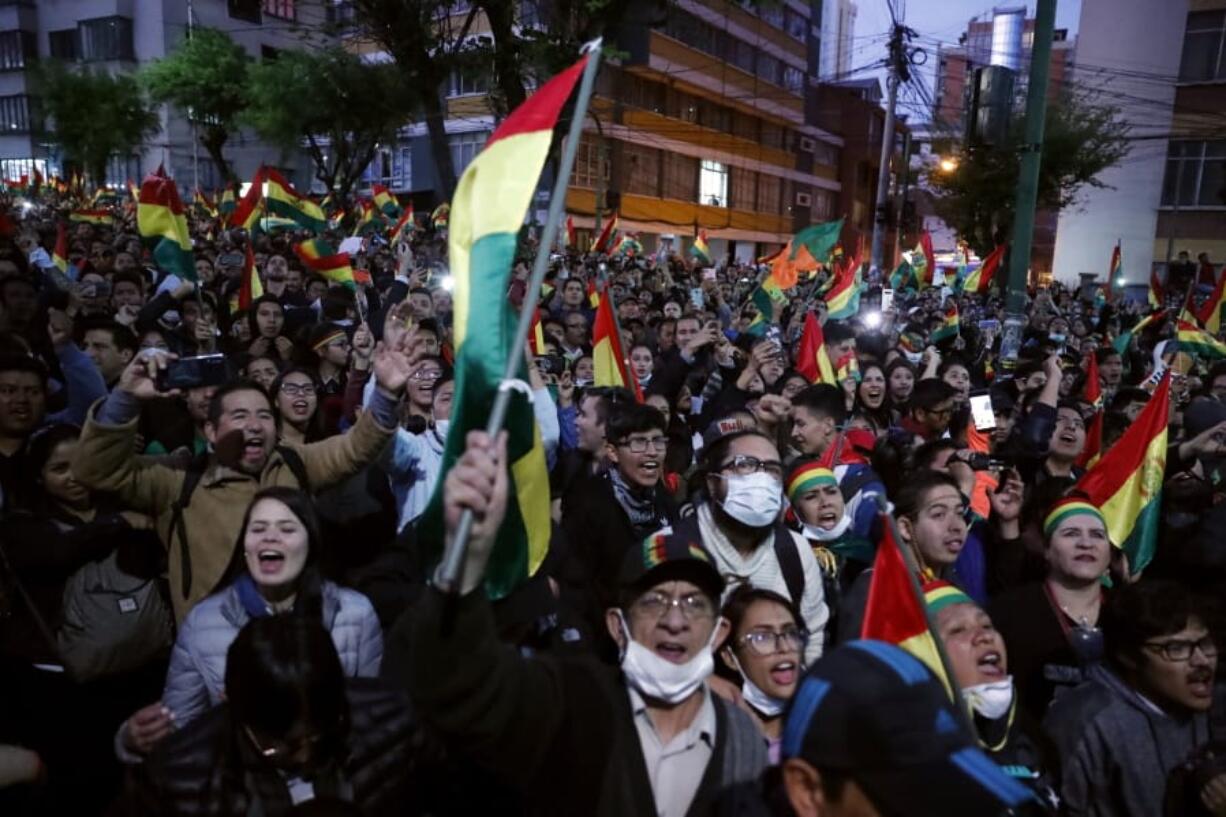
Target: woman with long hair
296,395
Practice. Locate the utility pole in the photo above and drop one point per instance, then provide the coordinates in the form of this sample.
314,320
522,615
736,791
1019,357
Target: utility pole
191,24
900,71
1028,182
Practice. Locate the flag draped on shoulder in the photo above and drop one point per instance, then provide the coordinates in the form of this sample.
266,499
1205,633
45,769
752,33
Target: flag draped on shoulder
894,613
1126,484
162,221
813,358
482,242
608,356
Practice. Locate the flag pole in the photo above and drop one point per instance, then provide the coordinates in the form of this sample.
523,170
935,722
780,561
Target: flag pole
451,569
960,707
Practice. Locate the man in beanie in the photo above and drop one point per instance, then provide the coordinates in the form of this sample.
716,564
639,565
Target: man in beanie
871,733
578,737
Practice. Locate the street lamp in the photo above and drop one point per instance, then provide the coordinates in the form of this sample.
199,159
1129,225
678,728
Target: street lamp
949,165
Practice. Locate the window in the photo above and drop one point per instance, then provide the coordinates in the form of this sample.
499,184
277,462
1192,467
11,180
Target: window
643,93
106,38
713,184
15,114
823,205
640,169
742,186
64,45
465,147
774,136
742,55
120,169
467,84
680,177
341,13
16,48
282,9
403,169
772,14
825,154
793,79
683,106
770,191
794,24
1196,171
713,116
770,68
588,165
1203,46
248,10
16,168
744,126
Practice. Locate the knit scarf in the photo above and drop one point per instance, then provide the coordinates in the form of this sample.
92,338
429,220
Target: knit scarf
639,504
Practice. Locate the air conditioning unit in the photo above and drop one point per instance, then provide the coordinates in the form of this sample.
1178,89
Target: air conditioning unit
804,199
807,144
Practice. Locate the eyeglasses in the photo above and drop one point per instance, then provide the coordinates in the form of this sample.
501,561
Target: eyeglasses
576,326
945,412
768,642
743,465
1181,650
639,445
298,389
426,374
654,606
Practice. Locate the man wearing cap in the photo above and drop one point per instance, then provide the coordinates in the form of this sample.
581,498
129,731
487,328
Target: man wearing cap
576,736
871,732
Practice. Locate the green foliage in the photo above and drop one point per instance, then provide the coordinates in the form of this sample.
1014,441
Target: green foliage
206,78
1081,139
94,115
343,108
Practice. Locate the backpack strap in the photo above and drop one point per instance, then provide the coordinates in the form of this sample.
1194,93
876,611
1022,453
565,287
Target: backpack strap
191,478
789,564
293,461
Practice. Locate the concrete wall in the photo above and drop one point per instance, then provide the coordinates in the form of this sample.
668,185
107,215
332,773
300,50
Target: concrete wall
1139,36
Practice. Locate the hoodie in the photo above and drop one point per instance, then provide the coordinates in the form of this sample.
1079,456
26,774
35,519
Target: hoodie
1117,748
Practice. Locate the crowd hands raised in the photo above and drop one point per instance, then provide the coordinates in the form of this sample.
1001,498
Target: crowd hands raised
215,598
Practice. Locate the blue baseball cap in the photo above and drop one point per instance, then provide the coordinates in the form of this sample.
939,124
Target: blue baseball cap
873,712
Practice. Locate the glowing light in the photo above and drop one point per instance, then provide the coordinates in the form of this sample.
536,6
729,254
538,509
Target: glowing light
872,320
447,282
949,165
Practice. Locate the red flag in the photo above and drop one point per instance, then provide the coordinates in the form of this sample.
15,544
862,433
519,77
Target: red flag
537,336
608,359
250,288
926,244
812,360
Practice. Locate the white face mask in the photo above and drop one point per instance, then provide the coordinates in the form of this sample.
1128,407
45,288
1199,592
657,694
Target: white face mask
992,700
753,500
765,705
582,382
914,357
822,535
440,428
661,679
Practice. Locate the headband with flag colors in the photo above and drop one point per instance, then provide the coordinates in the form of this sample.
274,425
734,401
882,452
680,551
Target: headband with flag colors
807,476
1194,340
485,218
940,594
1126,484
700,250
318,256
980,279
608,358
328,338
162,222
894,613
1068,507
812,360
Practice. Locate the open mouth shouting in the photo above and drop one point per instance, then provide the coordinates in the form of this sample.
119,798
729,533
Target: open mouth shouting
784,673
270,561
991,663
253,449
1200,683
672,651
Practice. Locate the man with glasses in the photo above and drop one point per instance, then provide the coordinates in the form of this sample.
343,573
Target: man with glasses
605,516
1145,714
932,407
575,338
578,737
738,521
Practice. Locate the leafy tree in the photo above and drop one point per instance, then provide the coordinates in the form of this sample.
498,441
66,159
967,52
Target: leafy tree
94,115
342,106
206,78
1081,139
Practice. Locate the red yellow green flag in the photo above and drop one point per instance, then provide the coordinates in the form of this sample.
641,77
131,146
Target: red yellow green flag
100,217
441,216
1126,484
404,227
593,295
59,256
1196,341
604,241
843,297
813,359
318,256
950,326
700,250
251,288
1092,394
1156,295
979,279
894,612
1210,315
249,208
608,357
485,218
162,221
385,201
281,199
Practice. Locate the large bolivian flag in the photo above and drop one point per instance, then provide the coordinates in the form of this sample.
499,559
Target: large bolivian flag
487,212
162,221
282,199
1126,484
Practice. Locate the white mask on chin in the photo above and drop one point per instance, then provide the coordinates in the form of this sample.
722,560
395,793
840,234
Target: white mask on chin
992,700
765,705
655,677
822,535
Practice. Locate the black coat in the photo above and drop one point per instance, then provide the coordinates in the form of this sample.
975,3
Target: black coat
209,767
560,730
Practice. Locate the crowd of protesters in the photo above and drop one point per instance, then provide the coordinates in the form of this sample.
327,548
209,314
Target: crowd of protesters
214,598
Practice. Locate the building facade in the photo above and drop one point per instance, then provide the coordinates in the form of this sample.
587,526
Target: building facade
119,36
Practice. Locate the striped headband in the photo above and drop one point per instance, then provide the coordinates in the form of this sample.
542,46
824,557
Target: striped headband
941,594
807,477
1070,507
326,339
